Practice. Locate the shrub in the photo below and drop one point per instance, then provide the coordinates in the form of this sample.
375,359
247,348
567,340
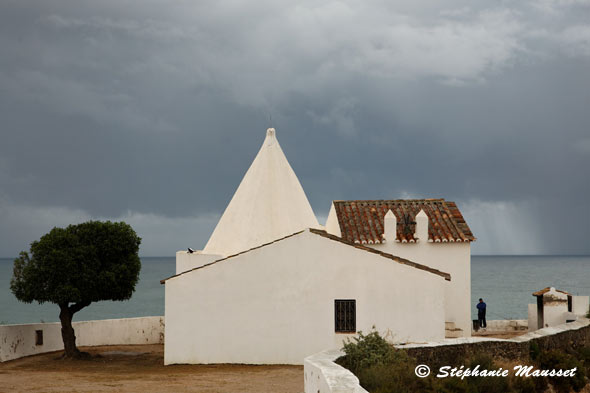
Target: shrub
486,384
452,385
534,350
559,360
366,351
379,366
527,385
583,356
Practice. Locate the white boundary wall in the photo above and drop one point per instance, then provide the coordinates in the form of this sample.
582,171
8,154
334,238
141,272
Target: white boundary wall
17,341
548,331
581,305
532,321
504,325
322,375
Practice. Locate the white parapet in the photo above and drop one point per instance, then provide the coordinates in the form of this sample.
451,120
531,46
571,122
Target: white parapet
506,325
322,375
17,341
580,305
421,226
390,226
548,331
532,311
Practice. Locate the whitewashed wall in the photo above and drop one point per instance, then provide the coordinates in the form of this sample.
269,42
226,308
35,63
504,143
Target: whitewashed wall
554,308
186,261
275,304
19,340
505,325
532,317
322,375
580,305
555,313
453,258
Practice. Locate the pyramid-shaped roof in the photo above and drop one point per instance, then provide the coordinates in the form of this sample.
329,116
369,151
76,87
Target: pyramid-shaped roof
269,204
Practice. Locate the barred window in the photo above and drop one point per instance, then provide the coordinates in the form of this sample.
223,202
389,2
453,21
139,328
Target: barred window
345,316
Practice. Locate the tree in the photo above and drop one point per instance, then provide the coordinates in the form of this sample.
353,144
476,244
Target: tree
75,266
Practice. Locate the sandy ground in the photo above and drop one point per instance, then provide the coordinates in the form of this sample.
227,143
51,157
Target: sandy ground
139,368
496,334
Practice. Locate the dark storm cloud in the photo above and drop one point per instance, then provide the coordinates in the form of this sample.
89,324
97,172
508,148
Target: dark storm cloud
152,111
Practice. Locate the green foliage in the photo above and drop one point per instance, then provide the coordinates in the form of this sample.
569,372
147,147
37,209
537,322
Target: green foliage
383,369
483,360
527,385
584,355
451,385
82,263
559,360
486,384
534,350
379,366
366,351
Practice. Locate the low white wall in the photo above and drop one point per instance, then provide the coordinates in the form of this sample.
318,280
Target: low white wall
503,325
322,375
580,305
532,311
19,340
548,331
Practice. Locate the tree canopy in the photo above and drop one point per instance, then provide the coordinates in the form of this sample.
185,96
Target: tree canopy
75,266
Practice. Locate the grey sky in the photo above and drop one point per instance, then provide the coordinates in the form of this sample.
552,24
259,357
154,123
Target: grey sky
151,112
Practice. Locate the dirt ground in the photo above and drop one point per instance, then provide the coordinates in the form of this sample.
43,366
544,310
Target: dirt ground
140,368
496,334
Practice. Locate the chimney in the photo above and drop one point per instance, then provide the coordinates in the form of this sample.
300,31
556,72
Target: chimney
390,226
421,226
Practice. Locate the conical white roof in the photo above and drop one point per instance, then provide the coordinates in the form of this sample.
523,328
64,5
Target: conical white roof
269,204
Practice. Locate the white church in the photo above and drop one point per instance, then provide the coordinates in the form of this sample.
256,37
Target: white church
273,286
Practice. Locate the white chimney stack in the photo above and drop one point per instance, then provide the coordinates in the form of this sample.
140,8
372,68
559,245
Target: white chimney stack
390,227
421,226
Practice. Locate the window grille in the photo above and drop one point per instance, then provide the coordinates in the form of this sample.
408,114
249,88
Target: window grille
345,316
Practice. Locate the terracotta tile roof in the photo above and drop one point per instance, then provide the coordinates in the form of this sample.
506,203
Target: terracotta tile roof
545,290
322,233
362,221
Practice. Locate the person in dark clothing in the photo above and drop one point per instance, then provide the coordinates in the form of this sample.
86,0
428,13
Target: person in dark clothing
481,313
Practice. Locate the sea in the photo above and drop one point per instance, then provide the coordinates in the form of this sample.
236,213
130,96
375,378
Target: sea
506,283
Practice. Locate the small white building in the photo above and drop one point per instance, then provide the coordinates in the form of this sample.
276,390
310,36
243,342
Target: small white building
555,307
272,286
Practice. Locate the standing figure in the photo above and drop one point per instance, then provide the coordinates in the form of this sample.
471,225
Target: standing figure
481,313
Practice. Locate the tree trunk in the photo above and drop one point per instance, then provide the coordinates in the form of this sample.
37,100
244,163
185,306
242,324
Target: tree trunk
67,332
